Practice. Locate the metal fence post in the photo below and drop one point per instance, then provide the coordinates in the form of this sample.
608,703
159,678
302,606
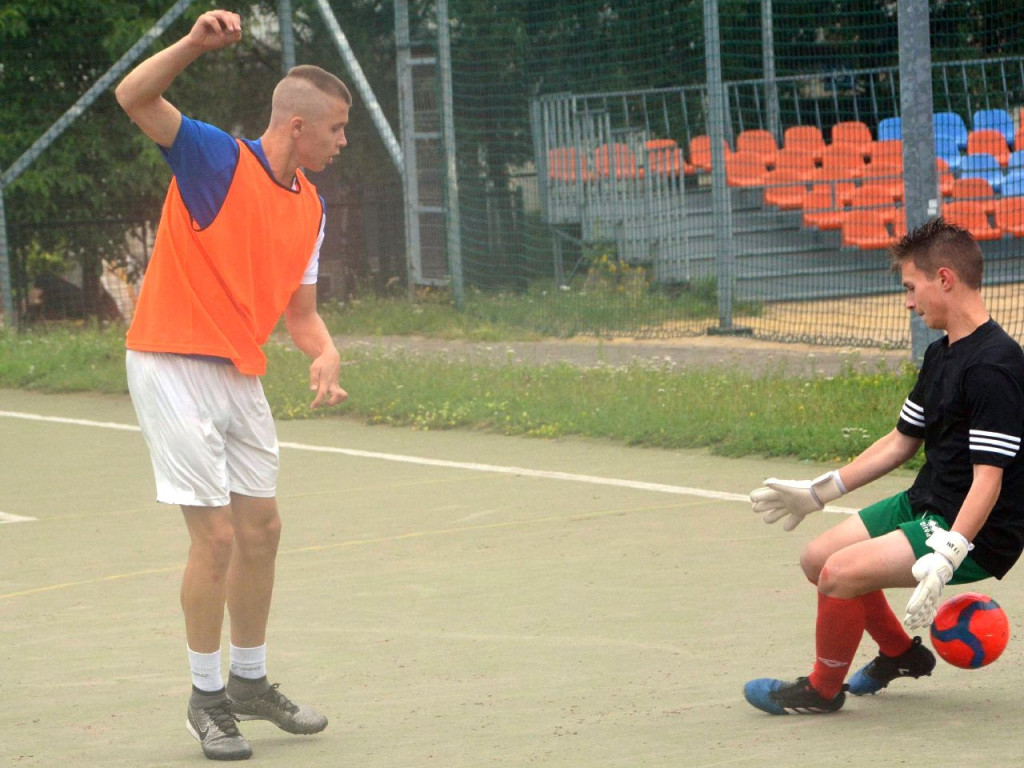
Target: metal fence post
921,191
10,315
721,199
284,22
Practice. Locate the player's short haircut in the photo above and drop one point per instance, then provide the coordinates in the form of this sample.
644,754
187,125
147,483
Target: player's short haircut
306,91
936,244
322,80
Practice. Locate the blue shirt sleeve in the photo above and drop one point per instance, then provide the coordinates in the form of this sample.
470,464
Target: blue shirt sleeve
203,159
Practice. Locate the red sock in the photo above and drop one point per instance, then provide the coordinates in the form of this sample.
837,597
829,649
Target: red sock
838,632
883,626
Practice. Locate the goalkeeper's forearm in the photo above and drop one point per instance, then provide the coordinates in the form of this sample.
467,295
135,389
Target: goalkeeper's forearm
878,459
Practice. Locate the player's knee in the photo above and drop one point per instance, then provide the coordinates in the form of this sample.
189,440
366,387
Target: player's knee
214,544
836,580
260,537
812,561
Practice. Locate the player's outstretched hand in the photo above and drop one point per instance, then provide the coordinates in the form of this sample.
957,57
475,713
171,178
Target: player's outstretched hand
795,499
933,571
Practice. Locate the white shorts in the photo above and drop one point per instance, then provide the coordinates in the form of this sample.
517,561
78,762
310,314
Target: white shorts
209,429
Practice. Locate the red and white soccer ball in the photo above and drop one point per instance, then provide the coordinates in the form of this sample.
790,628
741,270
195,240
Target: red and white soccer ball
970,630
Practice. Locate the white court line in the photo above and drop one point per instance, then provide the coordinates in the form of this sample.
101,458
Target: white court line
639,485
7,517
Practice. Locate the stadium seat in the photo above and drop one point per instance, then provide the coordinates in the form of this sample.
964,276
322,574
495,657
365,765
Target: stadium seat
745,168
946,177
872,195
665,158
990,142
827,203
886,175
972,216
1015,160
888,151
700,152
890,128
982,166
565,165
854,134
997,119
973,188
868,228
846,158
786,188
618,160
795,159
951,124
948,148
1013,183
805,138
760,141
1010,216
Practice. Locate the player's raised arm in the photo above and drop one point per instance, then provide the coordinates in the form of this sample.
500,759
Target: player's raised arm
140,94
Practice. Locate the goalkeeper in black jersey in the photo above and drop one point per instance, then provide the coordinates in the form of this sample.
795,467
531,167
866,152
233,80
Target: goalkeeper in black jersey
961,521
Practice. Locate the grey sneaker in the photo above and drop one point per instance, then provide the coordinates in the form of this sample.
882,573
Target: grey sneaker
216,729
258,700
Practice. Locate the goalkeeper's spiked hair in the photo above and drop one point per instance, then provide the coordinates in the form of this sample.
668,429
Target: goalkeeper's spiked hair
937,243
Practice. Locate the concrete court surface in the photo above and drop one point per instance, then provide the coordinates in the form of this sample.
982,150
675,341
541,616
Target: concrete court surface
460,614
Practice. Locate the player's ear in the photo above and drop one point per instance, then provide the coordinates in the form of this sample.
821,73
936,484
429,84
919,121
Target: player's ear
946,277
297,125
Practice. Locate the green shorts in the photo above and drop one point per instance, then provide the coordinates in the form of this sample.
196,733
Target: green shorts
895,513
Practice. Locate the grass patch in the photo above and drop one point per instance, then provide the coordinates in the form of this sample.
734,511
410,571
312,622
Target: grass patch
824,419
610,300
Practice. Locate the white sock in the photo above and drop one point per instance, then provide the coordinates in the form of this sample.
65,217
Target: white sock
206,674
250,663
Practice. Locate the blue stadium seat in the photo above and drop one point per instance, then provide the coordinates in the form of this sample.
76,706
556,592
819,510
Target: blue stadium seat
997,119
1016,160
1013,183
982,166
948,148
952,124
890,128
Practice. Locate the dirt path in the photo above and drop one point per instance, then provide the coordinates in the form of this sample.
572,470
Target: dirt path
701,351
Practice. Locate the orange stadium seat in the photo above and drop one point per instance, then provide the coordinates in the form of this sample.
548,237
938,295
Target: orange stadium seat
617,159
745,168
889,176
760,141
889,151
868,228
806,138
827,204
973,188
972,216
855,135
1010,215
844,157
989,141
564,165
786,188
700,152
664,157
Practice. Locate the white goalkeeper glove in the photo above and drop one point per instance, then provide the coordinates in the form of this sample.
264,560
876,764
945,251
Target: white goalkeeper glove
933,571
795,498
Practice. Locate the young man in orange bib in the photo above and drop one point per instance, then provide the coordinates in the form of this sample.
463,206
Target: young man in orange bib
237,247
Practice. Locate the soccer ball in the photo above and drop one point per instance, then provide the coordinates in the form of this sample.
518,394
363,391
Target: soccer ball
970,630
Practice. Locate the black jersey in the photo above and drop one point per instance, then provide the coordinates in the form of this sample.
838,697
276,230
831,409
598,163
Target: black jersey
968,406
